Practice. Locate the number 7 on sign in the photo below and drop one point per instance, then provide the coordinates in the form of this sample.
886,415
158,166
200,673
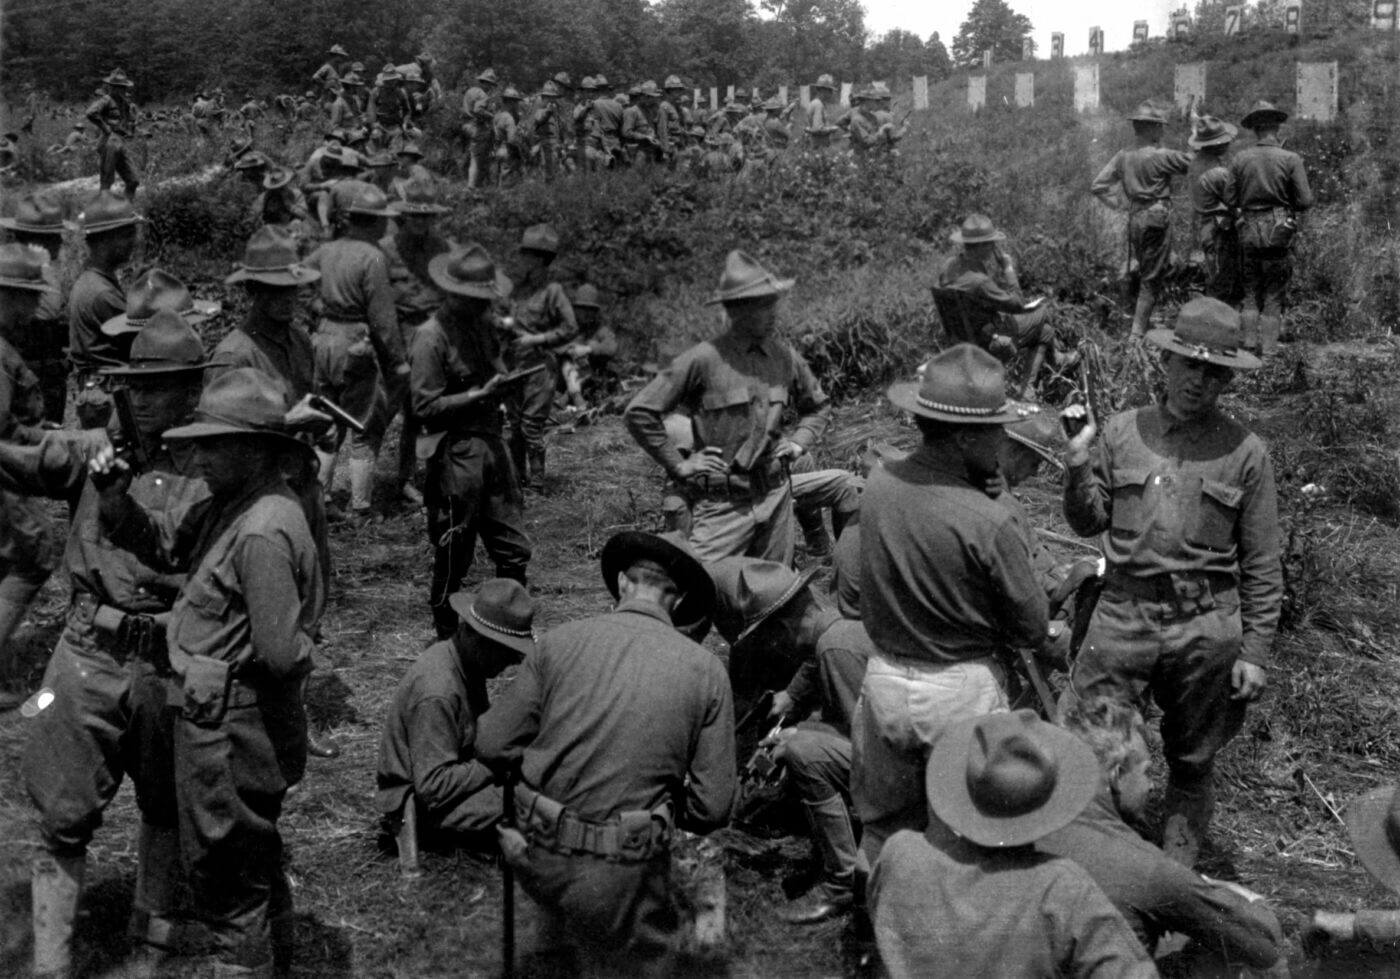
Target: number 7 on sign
1233,16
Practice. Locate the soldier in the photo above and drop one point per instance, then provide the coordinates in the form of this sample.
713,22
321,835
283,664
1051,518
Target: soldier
102,718
154,291
282,205
239,642
109,227
409,250
542,321
511,152
471,487
1184,499
359,350
639,137
736,388
670,125
379,171
947,586
26,536
586,135
1212,197
591,353
819,129
114,118
479,127
410,169
325,76
873,133
427,745
1271,192
389,108
547,128
38,222
1139,181
345,106
597,823
775,127
607,110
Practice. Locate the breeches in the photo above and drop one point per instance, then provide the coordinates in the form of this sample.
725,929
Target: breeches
347,372
738,526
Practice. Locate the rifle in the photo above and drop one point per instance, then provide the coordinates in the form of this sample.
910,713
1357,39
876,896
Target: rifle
131,443
1090,371
341,417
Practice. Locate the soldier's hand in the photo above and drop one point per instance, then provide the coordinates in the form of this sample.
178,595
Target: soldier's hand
1080,427
515,849
1247,680
789,450
782,703
109,473
709,461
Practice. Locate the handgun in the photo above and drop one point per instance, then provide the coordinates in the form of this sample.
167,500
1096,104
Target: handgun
341,416
131,443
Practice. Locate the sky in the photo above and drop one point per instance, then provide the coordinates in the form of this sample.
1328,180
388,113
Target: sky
1073,18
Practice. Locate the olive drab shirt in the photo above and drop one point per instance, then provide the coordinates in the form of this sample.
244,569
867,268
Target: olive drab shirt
1266,175
1172,496
111,116
448,360
96,298
355,288
735,390
26,533
548,313
1142,175
415,297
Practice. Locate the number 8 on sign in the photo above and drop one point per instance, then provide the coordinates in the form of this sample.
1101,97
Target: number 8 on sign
1383,15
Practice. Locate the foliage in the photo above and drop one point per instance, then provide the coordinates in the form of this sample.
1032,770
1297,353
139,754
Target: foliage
990,24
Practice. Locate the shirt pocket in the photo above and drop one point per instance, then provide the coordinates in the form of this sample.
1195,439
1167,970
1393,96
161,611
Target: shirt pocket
1219,513
1131,506
206,592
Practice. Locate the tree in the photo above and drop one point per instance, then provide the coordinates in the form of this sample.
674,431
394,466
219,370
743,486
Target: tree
822,36
940,66
990,24
898,54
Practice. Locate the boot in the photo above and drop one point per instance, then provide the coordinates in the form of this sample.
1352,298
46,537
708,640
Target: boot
813,531
1270,326
836,842
325,466
361,485
284,932
1189,805
1249,327
536,460
155,942
1033,371
1142,311
55,885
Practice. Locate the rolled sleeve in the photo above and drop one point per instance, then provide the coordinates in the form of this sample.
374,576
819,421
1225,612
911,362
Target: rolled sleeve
646,413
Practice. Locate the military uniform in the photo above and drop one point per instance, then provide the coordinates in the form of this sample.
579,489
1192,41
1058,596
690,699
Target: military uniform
471,487
96,298
1212,193
995,306
479,128
546,313
115,121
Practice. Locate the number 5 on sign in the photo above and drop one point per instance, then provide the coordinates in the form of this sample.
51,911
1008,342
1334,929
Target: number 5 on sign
1383,14
1234,18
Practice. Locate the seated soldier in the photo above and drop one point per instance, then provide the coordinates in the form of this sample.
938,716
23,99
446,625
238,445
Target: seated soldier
588,357
972,896
427,751
1373,822
1002,321
1229,925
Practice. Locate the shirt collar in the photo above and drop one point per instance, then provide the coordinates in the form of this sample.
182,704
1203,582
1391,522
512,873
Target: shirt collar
1267,141
927,458
1191,428
644,608
260,324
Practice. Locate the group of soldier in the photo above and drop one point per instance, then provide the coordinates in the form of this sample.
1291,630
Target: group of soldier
958,836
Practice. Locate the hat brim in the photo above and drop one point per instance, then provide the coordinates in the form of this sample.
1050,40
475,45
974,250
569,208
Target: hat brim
461,603
14,224
1263,116
801,582
1238,359
422,210
1154,120
905,396
945,782
1221,140
437,271
696,609
27,285
761,290
959,238
202,310
212,430
297,276
105,226
153,370
1365,819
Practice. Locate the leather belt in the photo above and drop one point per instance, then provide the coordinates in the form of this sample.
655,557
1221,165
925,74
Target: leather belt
1187,594
629,837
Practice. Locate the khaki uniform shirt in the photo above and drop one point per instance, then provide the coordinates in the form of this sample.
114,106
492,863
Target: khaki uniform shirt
96,298
1143,174
415,297
355,288
547,313
1266,176
449,359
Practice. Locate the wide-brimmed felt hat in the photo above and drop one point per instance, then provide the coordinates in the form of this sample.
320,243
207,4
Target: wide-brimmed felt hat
352,79
698,132
1008,779
879,93
1265,113
22,267
271,258
587,295
563,79
697,602
167,344
601,81
1040,432
243,401
419,197
119,79
155,291
540,238
1373,823
649,88
410,72
512,94
501,611
673,83
104,212
977,229
550,90
368,200
733,108
1147,112
35,214
410,149
774,104
824,81
489,75
342,156
764,588
963,385
380,159
1211,131
251,160
588,84
469,271
357,66
744,277
336,49
389,74
277,178
1209,330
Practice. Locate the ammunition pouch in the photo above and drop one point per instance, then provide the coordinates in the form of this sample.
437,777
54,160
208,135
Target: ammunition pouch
1186,594
632,836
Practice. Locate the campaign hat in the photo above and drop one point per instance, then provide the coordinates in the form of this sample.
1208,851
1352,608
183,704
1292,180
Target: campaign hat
962,385
1373,823
1265,113
564,80
390,74
540,238
469,271
22,267
551,90
277,178
744,277
1147,112
157,290
977,229
674,83
380,159
339,51
35,214
119,79
1208,330
106,211
1211,131
502,611
601,81
166,344
412,149
420,197
489,76
1009,779
697,602
243,401
824,81
512,94
370,201
764,588
587,295
251,160
588,84
648,88
270,257
351,78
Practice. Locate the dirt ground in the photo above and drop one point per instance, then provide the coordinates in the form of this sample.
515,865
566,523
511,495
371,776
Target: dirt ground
1326,732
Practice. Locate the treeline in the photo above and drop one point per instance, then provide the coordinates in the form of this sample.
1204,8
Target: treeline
172,48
